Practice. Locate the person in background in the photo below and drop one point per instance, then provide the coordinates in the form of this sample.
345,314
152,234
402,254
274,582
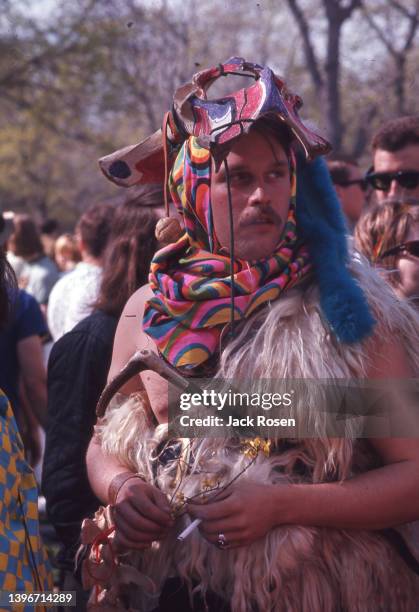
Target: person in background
17,263
6,229
395,170
350,186
78,367
66,252
24,561
22,370
388,235
50,231
39,273
74,295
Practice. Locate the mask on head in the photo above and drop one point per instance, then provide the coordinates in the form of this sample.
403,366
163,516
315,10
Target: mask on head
215,122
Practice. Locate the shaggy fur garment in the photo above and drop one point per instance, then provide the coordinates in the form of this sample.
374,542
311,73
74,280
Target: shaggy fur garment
293,569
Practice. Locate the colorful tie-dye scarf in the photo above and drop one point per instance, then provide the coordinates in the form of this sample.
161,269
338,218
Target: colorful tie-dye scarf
191,282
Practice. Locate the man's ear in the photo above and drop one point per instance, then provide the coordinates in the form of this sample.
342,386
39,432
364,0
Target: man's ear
339,190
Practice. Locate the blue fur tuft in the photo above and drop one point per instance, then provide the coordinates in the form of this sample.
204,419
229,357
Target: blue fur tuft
322,225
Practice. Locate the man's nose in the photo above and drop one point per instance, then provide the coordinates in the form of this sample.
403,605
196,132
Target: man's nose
394,189
259,196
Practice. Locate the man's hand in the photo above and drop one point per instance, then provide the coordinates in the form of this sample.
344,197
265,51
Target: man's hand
141,515
242,513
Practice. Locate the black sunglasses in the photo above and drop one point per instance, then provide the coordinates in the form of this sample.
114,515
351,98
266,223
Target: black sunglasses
361,182
411,247
408,179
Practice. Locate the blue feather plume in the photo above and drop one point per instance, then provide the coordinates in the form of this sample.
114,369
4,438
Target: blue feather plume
321,224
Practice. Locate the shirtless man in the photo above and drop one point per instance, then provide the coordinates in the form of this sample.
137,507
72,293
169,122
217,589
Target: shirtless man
260,181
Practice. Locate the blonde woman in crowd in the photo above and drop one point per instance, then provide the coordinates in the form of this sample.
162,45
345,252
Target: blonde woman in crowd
66,252
388,235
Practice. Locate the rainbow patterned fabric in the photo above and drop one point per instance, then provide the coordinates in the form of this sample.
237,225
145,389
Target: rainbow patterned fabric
19,507
191,282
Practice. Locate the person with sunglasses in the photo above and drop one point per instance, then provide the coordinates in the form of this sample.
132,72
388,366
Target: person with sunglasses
350,186
388,235
395,170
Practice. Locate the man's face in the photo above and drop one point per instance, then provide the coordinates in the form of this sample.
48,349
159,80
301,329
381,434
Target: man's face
352,197
260,193
394,161
408,266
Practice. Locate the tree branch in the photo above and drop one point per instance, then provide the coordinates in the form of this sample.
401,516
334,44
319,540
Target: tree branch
309,53
411,34
347,11
392,50
402,9
414,22
362,133
66,46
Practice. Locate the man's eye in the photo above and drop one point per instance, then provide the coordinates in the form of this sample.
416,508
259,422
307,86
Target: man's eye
240,178
276,174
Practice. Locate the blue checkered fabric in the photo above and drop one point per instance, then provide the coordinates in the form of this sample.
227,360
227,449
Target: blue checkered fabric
19,506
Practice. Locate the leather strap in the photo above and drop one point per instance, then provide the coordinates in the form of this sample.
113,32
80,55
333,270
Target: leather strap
117,482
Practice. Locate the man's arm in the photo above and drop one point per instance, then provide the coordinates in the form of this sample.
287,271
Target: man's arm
141,512
380,498
125,345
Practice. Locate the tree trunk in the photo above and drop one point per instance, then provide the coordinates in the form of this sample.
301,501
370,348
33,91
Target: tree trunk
363,134
399,84
309,53
335,127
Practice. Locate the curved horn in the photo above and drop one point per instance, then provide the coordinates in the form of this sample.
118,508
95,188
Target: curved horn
139,362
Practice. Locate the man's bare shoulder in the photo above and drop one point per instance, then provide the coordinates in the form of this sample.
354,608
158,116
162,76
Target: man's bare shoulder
136,303
131,320
129,336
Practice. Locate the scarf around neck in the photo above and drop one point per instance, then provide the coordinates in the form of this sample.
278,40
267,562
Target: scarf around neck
191,281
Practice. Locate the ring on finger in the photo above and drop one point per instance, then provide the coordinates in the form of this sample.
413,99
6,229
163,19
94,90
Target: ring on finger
222,541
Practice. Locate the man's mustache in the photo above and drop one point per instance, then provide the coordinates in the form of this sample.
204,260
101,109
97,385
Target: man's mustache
258,215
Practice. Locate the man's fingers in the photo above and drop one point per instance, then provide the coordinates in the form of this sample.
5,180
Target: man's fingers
161,501
140,536
145,505
213,528
135,525
123,543
231,539
212,511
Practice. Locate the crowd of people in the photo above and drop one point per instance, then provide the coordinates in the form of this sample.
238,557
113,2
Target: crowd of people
268,263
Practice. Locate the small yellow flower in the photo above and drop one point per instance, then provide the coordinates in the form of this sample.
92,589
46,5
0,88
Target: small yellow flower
178,502
208,483
253,446
266,447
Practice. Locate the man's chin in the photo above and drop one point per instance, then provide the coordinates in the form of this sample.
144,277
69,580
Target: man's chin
254,250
